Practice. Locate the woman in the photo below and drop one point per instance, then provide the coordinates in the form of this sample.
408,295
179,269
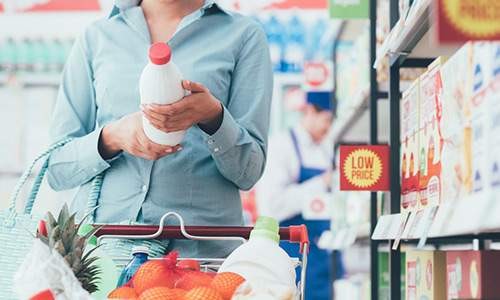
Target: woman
225,57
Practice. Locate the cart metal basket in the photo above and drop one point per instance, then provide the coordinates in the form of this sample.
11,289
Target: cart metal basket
292,234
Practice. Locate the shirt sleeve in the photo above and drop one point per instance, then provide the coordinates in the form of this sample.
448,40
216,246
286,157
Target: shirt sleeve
279,195
74,116
239,145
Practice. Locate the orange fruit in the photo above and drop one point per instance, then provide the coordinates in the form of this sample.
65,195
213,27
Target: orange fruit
162,293
156,273
150,275
191,280
189,264
123,292
203,293
226,283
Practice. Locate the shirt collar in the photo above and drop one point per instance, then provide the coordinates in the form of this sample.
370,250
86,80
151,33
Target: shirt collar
122,5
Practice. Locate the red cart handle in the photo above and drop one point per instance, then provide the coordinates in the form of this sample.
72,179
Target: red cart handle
293,234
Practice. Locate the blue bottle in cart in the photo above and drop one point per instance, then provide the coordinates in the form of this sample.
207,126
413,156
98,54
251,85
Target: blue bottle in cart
139,256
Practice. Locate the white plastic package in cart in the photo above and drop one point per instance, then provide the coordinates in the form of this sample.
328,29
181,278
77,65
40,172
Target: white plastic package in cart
265,291
43,269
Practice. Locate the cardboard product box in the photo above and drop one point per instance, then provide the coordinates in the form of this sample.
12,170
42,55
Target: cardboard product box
480,120
404,155
430,136
425,275
473,274
410,145
456,75
493,100
384,278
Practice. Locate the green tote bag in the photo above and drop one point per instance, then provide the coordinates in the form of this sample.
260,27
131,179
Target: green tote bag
18,229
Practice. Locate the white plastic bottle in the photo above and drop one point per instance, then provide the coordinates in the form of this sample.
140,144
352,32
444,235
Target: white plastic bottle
261,260
161,83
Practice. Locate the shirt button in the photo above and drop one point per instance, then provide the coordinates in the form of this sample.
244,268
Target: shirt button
216,150
144,188
210,142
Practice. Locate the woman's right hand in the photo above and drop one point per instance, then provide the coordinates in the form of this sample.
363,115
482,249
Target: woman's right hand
127,134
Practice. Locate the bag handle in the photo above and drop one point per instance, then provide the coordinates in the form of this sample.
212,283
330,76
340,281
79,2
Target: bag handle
38,180
94,194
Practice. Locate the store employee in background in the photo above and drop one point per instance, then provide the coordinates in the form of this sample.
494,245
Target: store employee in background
226,59
297,176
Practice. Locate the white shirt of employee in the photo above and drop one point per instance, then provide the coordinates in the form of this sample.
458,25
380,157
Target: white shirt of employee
278,193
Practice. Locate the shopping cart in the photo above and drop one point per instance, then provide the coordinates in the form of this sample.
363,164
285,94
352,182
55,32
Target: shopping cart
292,234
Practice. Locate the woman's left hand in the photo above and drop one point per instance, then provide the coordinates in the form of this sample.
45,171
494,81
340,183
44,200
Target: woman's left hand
200,107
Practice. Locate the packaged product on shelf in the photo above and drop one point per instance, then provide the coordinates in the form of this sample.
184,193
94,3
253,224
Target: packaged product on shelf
480,120
409,147
275,32
294,54
493,100
472,274
384,276
430,136
456,75
425,275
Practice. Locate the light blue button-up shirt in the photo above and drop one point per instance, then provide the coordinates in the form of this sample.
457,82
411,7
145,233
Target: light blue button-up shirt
226,52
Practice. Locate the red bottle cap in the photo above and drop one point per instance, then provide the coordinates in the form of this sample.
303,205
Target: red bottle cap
43,295
159,53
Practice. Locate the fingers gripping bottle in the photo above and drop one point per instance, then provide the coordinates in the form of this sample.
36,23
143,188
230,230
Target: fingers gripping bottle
161,83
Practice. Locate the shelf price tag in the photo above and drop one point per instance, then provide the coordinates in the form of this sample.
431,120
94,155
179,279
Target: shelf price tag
465,20
402,225
430,214
364,168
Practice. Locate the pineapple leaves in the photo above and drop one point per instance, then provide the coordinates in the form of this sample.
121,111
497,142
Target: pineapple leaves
44,239
63,215
62,236
87,255
85,218
69,233
92,232
54,236
50,222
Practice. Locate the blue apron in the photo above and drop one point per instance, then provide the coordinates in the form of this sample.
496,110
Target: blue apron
319,279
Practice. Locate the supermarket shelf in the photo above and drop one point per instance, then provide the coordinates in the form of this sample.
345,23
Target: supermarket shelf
344,237
283,79
348,117
448,222
30,80
413,38
415,28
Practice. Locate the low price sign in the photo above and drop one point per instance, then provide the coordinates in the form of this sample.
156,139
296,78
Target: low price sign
364,168
465,20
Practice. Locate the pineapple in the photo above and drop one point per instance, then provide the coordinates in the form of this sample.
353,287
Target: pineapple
62,236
